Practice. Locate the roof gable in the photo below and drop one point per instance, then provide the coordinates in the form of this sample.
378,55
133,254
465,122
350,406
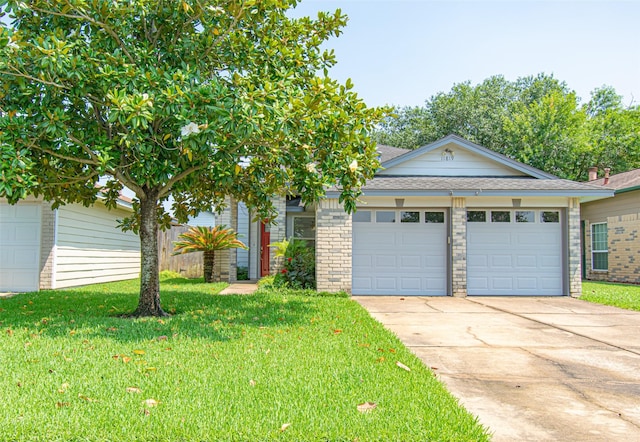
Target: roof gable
453,156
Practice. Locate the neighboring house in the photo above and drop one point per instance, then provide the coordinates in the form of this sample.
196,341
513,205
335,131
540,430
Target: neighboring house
42,248
449,218
611,228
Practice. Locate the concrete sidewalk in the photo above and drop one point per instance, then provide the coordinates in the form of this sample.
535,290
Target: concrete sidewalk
533,369
240,288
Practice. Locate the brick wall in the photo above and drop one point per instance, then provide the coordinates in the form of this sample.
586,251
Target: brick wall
226,260
459,247
333,247
623,232
573,233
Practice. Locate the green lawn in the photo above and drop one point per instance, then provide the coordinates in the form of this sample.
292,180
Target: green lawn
618,295
220,368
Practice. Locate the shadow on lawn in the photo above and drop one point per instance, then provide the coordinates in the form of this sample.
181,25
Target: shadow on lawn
196,312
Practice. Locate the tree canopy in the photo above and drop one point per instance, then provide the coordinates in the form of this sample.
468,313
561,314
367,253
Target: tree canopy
198,100
537,120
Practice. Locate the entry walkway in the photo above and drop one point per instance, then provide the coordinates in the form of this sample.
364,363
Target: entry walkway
240,288
531,369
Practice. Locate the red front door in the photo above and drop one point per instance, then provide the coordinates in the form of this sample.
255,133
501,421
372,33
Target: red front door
265,236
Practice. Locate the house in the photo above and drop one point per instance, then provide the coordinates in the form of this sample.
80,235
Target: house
611,228
449,218
45,248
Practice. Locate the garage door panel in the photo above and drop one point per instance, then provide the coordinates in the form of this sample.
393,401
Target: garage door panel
20,251
385,283
502,283
480,283
411,262
410,284
527,262
514,258
382,261
503,261
399,258
526,283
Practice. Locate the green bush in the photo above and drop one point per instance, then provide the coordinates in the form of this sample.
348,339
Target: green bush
242,274
298,266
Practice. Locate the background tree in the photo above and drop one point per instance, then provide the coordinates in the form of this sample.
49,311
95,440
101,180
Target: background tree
195,99
536,119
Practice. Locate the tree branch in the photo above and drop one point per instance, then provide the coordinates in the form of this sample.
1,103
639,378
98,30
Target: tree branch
104,26
167,187
32,78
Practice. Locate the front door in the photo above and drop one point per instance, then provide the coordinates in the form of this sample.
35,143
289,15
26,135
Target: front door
265,240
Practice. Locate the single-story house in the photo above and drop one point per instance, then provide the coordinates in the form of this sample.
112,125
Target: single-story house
449,218
611,229
43,248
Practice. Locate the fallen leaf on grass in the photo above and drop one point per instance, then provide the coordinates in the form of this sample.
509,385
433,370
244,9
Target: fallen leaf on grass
150,403
10,332
62,404
151,369
337,331
138,352
252,383
366,407
284,427
134,390
86,398
401,365
162,338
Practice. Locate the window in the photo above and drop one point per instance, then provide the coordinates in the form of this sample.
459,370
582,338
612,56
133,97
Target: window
362,216
305,228
476,216
599,247
434,217
385,217
550,217
525,216
500,216
409,217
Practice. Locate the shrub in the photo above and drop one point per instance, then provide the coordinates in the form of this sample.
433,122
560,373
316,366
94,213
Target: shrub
298,266
242,274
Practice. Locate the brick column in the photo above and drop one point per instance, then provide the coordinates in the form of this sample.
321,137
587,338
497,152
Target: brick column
624,247
47,246
333,247
225,267
459,247
573,234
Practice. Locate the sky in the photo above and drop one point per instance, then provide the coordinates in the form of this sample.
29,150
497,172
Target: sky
404,51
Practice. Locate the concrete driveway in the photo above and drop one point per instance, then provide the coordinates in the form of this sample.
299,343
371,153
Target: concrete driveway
538,369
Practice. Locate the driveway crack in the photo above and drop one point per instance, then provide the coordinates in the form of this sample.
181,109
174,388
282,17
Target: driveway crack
592,400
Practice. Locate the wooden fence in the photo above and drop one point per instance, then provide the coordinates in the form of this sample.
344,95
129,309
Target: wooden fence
188,265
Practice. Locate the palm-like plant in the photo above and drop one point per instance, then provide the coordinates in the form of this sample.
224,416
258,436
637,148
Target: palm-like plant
207,240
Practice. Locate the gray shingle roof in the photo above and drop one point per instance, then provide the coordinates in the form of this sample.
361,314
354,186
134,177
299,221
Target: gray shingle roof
470,186
620,181
388,152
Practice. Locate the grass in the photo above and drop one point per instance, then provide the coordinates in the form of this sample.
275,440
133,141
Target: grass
220,368
618,295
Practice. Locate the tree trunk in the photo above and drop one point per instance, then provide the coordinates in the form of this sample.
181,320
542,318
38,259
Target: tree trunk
208,264
149,303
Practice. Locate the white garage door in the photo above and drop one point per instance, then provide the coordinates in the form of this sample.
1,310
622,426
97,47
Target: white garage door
19,247
514,252
399,252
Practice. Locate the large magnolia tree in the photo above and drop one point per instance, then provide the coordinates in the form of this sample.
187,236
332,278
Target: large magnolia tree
194,99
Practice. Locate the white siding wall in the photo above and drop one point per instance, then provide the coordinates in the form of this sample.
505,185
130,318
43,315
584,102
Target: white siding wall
91,249
462,163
